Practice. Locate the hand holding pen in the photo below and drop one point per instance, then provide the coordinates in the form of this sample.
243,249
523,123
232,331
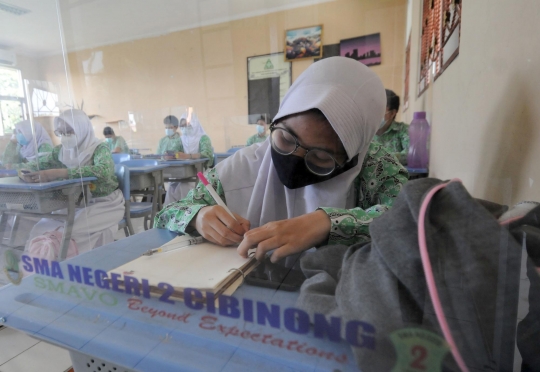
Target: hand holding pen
217,223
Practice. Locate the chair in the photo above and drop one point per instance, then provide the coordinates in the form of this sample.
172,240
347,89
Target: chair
132,209
148,195
118,158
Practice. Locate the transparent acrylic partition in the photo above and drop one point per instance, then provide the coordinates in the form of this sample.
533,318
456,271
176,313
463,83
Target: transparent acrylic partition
383,273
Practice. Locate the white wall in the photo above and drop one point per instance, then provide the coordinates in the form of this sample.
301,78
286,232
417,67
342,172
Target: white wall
484,109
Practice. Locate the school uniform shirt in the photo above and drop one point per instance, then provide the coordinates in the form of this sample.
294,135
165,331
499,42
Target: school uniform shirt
376,187
396,140
173,143
255,139
12,153
205,149
119,141
101,166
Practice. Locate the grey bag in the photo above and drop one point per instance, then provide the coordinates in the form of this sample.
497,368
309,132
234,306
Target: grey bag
475,263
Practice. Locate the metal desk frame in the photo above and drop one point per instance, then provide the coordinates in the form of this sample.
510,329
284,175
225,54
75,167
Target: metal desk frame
42,199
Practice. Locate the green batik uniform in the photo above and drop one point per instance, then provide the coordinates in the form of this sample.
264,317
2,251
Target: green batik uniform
12,153
396,140
119,141
167,143
376,187
255,139
205,149
101,166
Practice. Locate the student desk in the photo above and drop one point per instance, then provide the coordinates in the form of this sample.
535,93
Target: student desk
415,173
148,177
40,199
182,170
220,156
111,331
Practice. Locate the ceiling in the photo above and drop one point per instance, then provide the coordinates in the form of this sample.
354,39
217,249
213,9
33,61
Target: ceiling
90,23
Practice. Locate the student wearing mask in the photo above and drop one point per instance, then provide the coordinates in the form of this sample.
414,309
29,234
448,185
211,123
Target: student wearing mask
81,154
23,148
318,180
393,135
195,144
171,143
261,135
117,144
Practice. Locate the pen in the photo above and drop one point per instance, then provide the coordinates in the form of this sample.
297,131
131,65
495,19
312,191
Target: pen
214,193
172,247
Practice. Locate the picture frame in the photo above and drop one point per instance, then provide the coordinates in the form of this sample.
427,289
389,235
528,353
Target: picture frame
303,43
365,49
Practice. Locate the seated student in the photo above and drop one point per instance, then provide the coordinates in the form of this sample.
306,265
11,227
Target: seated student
318,180
261,135
195,145
22,147
394,136
117,144
81,154
171,143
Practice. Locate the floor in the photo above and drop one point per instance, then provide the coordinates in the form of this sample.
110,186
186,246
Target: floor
21,353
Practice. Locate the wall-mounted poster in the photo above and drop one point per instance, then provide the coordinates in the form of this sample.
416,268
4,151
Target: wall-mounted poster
303,43
269,78
365,49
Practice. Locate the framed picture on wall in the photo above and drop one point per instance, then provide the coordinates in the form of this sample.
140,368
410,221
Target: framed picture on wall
365,49
303,43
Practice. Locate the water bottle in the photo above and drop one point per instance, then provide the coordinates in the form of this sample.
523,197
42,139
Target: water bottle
418,157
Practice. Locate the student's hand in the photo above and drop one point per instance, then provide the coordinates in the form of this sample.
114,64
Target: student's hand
216,225
168,157
46,175
117,150
287,236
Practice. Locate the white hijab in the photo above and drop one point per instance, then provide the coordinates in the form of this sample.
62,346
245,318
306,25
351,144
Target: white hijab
353,99
191,142
41,136
80,155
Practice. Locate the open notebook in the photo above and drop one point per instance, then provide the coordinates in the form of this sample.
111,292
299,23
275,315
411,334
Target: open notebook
206,266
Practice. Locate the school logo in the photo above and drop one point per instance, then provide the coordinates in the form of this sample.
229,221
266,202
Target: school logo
269,65
418,350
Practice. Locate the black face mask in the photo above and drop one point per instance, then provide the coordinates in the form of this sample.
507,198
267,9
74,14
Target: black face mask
294,174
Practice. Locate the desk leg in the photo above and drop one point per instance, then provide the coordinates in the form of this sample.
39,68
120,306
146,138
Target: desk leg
68,227
3,225
155,200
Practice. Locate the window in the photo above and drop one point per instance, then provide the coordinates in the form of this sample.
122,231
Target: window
44,103
12,107
441,26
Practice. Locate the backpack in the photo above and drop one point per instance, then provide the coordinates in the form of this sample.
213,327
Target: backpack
48,246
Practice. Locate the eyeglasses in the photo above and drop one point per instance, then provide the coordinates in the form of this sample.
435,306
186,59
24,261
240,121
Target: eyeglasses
318,162
59,133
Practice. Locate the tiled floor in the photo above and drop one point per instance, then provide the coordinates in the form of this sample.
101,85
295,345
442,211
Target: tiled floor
22,353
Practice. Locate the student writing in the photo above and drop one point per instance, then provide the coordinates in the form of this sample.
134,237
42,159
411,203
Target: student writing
319,179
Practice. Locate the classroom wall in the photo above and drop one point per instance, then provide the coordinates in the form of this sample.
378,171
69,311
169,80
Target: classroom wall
484,108
206,68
